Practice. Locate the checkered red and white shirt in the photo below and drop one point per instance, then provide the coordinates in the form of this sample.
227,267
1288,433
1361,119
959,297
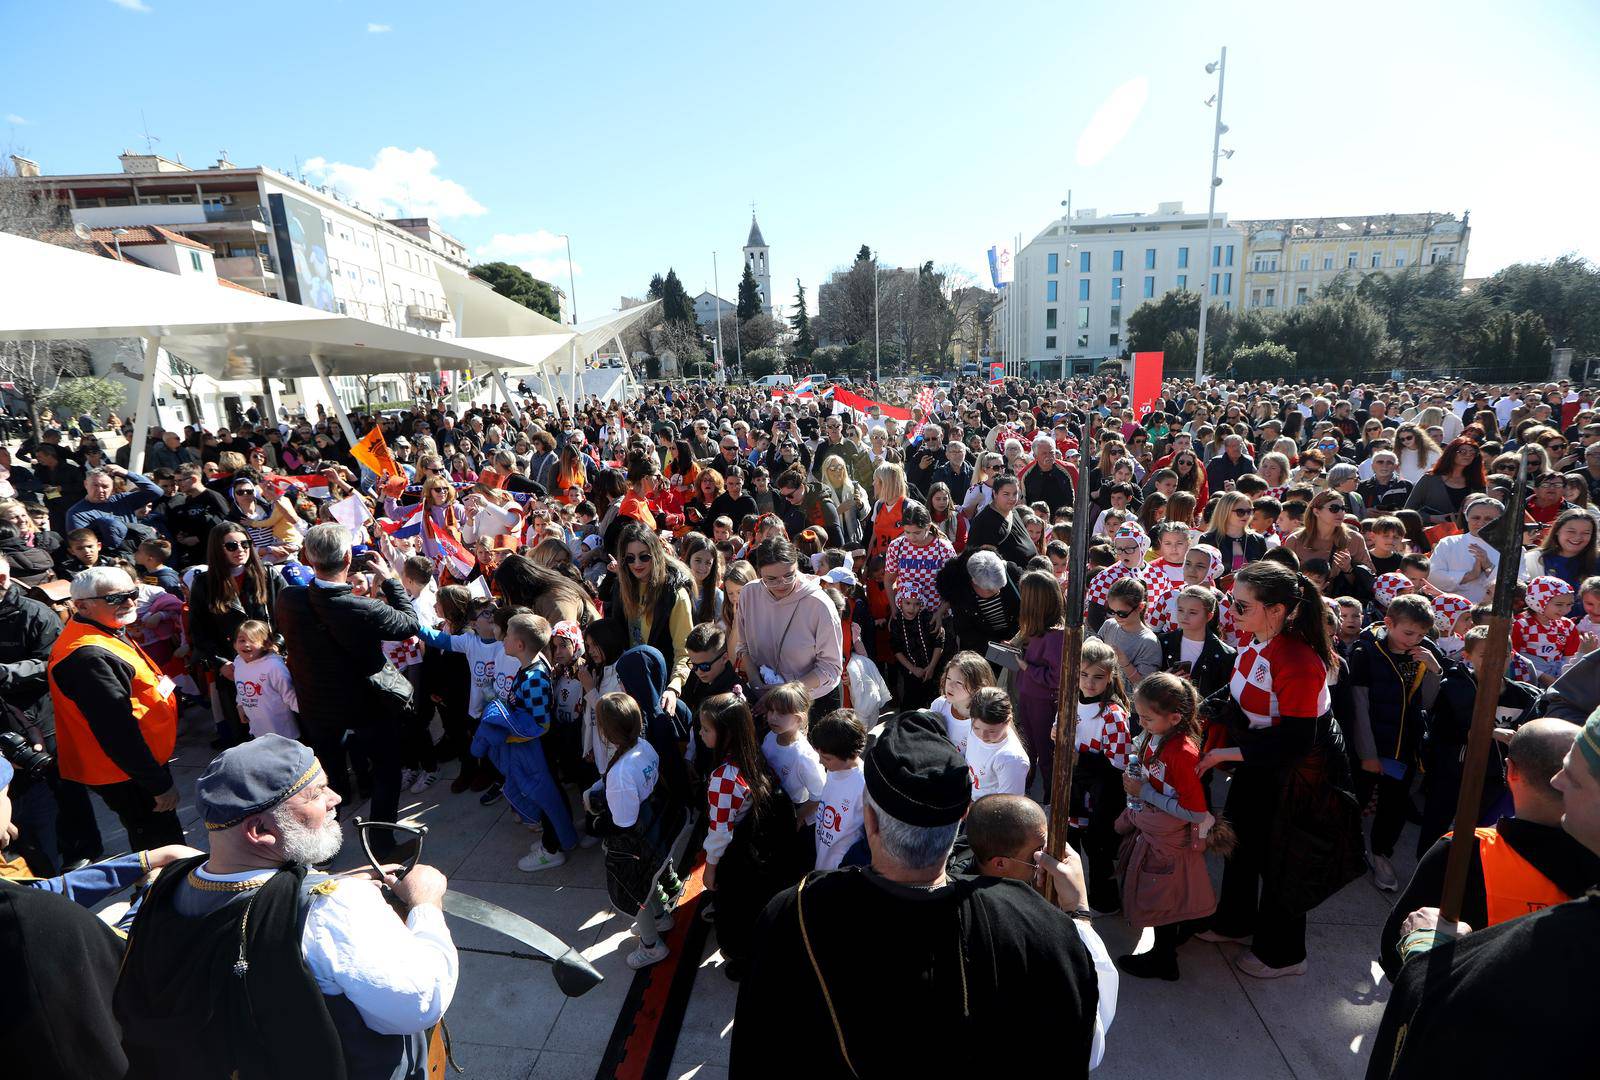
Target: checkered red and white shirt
1172,769
727,794
1103,729
917,567
1100,584
1282,678
1544,643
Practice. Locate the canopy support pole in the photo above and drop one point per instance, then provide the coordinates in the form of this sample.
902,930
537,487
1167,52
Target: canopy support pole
146,406
500,377
627,368
338,405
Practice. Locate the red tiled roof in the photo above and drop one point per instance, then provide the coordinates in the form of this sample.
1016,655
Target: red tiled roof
242,288
146,234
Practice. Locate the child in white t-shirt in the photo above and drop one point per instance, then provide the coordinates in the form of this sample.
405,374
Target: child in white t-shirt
267,701
789,752
840,738
965,675
996,757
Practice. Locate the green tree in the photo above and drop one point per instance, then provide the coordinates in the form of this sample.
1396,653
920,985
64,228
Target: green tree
1178,310
676,305
1266,360
1565,294
864,255
1396,296
749,296
657,286
1513,346
800,323
86,394
1177,349
761,362
515,283
1336,336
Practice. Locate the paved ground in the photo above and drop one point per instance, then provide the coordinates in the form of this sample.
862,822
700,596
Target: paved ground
510,1022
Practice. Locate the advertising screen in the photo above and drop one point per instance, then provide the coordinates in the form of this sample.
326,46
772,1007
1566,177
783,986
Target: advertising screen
303,252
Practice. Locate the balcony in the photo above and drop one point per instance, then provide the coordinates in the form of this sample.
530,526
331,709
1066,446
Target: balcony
423,313
247,268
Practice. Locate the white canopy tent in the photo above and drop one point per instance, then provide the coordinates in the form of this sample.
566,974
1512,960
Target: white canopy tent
51,293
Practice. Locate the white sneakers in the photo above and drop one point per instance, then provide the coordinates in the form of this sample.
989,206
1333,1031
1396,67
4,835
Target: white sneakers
645,955
1383,875
422,780
1219,939
540,859
1250,965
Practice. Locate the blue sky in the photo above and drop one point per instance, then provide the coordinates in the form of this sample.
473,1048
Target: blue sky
928,130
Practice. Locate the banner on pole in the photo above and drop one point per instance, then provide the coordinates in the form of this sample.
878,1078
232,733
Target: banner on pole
1146,382
373,452
997,371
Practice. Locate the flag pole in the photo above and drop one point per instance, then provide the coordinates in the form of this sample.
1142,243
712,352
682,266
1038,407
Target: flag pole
1490,674
1066,732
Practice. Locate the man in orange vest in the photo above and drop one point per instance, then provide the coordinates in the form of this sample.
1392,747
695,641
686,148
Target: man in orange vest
1521,864
116,713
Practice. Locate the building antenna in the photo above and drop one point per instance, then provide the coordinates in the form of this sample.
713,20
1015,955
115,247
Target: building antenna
149,139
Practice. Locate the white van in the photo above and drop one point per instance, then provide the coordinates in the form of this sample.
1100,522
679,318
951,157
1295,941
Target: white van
769,381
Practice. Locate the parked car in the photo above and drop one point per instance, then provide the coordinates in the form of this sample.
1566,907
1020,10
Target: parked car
769,381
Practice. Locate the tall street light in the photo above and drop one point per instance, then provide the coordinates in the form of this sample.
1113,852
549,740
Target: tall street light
572,282
716,289
1219,67
877,339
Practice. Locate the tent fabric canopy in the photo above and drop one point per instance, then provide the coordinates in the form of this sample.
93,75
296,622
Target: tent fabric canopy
55,293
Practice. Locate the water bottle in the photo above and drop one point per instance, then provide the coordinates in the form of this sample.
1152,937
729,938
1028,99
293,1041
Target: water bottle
1135,770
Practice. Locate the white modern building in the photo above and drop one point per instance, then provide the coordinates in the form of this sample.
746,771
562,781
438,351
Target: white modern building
1078,280
708,307
272,233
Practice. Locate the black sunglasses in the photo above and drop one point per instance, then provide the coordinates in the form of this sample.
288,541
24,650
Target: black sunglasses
638,560
1119,614
236,545
117,599
707,667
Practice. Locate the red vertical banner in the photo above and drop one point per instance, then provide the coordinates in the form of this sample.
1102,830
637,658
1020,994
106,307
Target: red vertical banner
1146,382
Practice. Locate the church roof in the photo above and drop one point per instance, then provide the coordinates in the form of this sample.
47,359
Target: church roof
755,234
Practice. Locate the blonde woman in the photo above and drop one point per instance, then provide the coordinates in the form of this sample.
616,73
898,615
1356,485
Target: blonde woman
981,491
1274,469
1418,453
849,496
735,577
1228,530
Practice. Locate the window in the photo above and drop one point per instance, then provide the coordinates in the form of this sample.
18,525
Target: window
390,249
1399,261
1377,260
1149,258
1327,262
1116,314
1083,288
1272,297
1230,254
372,279
394,293
1083,318
1256,264
1216,279
194,258
1050,291
1216,255
1183,279
1352,259
1227,284
1116,289
1116,260
1112,340
149,200
333,265
1301,296
213,200
1083,341
1149,286
1183,258
1050,341
1305,262
1052,263
1050,318
1255,297
1083,262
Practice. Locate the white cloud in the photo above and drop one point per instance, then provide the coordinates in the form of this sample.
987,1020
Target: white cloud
378,28
400,183
14,120
133,5
542,254
1112,121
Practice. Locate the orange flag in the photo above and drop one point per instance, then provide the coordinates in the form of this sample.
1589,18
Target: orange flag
373,452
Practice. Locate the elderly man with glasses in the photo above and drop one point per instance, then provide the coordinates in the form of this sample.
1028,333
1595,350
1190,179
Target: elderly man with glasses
116,713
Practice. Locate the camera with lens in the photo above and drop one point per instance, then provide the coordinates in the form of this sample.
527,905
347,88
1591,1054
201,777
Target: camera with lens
29,762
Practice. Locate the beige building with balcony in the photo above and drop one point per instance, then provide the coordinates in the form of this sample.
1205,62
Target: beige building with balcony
1289,261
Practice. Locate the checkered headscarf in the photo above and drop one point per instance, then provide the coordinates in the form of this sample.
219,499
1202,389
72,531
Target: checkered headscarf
1216,562
1542,590
572,632
1447,608
1389,586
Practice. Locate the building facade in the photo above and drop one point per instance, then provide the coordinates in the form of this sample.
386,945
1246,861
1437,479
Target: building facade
1078,280
756,259
1289,261
277,235
707,310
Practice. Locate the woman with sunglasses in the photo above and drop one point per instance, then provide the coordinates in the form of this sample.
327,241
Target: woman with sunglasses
1283,729
1324,535
1440,494
273,527
1417,451
1191,475
981,490
1228,530
651,596
235,587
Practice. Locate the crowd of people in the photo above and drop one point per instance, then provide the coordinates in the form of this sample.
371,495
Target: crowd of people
807,639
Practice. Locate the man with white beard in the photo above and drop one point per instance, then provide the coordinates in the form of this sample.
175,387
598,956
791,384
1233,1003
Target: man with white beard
249,963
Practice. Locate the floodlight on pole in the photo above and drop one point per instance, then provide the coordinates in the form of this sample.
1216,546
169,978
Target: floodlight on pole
116,240
1219,68
572,282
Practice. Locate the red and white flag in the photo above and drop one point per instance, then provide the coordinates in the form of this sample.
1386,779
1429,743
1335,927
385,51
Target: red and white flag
924,401
458,560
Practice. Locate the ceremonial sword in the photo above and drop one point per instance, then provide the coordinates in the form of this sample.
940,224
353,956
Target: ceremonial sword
574,975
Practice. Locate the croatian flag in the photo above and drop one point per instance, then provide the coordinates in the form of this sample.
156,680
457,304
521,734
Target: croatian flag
409,525
457,559
802,388
315,485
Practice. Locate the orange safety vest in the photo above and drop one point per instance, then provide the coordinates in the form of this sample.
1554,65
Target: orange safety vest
79,755
1511,884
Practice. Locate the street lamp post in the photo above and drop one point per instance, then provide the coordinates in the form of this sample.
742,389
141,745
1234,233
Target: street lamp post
116,239
716,289
877,337
1220,67
572,282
